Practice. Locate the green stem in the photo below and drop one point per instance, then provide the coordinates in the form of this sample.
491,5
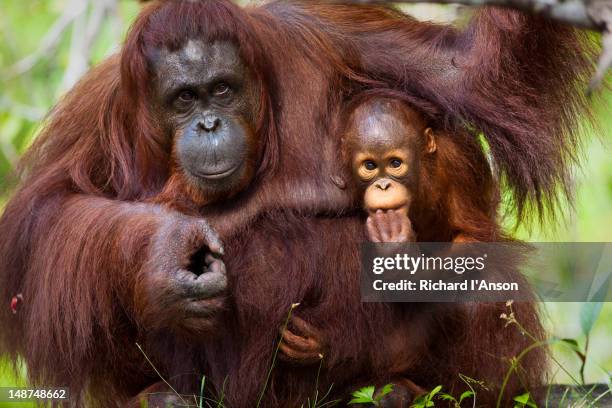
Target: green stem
513,367
583,365
159,374
263,391
553,358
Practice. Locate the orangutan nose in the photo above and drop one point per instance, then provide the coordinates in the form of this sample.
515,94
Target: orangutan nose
209,124
383,184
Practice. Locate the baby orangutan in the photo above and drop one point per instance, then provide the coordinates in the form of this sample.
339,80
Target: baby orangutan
385,142
414,186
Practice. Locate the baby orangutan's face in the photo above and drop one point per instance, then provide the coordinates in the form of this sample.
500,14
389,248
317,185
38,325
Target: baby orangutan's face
385,139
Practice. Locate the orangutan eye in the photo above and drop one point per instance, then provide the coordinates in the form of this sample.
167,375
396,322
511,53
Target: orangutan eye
369,165
187,96
221,89
395,163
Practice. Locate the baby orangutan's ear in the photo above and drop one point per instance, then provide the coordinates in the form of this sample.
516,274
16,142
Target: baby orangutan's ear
338,181
430,141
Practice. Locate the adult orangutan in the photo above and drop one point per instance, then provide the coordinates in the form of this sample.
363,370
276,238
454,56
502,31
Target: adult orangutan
100,265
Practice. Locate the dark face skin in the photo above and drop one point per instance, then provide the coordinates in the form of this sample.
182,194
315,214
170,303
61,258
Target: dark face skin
209,102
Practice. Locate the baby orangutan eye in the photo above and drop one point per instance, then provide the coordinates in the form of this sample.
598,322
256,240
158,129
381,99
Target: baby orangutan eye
396,163
369,165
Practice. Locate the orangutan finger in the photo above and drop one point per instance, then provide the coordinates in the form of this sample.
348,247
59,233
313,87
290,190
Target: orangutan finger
373,234
299,343
290,354
388,226
395,220
382,223
304,328
377,222
405,227
210,237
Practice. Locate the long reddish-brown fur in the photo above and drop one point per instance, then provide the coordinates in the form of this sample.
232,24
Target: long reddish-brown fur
76,234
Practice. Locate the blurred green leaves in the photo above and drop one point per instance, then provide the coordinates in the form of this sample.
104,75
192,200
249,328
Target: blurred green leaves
46,46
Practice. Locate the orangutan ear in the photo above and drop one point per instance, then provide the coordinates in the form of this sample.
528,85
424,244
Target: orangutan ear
430,141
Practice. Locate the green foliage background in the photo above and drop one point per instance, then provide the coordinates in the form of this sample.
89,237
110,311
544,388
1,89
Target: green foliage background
26,96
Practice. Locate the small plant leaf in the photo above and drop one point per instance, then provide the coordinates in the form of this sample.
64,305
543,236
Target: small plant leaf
573,344
361,400
425,400
363,396
422,402
202,385
433,392
466,394
589,312
384,391
446,397
524,400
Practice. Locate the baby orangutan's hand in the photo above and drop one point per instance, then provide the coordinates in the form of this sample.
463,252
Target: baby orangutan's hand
301,343
390,226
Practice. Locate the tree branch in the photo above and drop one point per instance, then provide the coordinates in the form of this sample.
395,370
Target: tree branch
601,12
594,15
574,12
49,42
